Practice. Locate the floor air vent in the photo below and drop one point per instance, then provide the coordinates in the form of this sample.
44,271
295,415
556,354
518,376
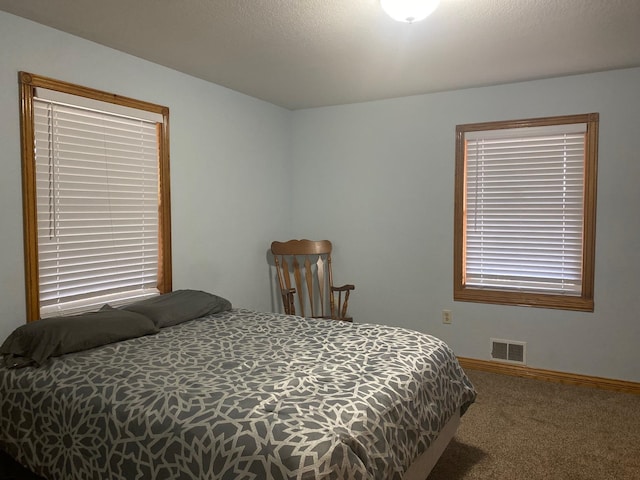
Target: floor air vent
508,351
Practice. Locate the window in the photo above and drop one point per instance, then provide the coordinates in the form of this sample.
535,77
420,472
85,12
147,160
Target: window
525,198
95,197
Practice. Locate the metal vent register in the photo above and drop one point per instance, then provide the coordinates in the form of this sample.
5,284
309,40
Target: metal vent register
508,350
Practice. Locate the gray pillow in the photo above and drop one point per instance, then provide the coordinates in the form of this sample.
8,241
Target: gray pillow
50,337
179,306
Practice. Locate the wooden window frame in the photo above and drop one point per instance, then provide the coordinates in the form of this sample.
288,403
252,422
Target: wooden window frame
582,302
28,83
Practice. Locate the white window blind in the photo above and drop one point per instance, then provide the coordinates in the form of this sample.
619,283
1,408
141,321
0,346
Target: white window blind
97,206
524,209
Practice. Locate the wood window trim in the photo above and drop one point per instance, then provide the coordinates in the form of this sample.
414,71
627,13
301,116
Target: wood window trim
28,83
584,302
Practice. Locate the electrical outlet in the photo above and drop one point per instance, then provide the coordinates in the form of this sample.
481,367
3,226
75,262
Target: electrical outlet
446,316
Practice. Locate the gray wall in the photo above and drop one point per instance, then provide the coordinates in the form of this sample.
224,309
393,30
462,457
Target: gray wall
229,164
377,178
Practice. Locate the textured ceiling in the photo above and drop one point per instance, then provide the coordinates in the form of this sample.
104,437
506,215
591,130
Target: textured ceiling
308,53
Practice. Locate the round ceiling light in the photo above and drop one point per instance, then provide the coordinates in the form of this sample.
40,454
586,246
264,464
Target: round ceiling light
409,10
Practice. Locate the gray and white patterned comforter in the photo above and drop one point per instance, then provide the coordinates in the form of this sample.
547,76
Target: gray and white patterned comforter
237,395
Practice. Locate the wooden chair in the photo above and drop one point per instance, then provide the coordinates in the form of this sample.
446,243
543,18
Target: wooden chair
309,264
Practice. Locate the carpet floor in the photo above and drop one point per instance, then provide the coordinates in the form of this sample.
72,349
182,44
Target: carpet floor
523,429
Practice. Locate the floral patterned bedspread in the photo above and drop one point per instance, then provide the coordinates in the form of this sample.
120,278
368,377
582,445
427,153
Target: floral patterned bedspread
236,395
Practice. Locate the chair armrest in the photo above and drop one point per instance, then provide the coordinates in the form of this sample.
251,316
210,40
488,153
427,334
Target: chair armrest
288,300
341,311
343,288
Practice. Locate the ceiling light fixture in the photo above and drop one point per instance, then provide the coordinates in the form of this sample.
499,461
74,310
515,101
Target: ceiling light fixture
409,11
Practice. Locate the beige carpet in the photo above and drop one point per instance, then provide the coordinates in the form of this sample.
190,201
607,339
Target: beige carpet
533,430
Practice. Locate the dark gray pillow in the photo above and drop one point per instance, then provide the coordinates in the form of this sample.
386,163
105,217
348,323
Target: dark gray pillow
179,306
50,337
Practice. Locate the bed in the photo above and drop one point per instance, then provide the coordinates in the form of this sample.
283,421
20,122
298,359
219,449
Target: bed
239,394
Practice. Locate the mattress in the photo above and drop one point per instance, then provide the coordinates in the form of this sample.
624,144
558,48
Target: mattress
236,395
